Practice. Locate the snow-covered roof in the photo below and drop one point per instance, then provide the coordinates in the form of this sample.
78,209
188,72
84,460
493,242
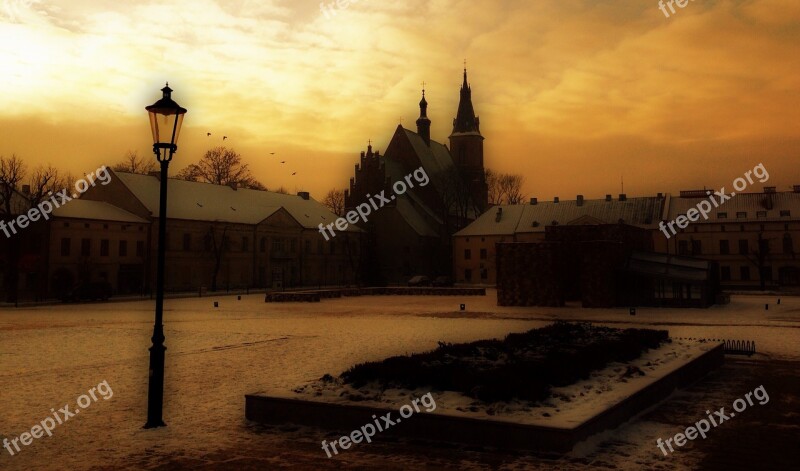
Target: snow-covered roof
749,203
207,202
97,210
642,212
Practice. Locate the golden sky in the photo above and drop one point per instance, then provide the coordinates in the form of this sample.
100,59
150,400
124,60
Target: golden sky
573,94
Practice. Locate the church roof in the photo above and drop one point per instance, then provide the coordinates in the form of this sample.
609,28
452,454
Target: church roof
466,122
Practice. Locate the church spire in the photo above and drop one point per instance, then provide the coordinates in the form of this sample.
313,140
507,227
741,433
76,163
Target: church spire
466,121
423,123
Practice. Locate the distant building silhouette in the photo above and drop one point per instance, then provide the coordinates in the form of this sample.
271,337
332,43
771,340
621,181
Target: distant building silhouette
412,235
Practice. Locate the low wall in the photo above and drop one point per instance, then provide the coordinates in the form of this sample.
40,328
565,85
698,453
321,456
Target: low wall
478,432
316,295
292,297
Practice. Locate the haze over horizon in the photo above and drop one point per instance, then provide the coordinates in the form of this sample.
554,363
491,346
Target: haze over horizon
572,94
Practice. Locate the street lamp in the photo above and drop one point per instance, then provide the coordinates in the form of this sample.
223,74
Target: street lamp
166,118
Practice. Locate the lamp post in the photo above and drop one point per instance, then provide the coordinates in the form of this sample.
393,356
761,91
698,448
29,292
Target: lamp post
166,118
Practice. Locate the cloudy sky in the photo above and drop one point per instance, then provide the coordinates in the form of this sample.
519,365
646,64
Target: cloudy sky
573,94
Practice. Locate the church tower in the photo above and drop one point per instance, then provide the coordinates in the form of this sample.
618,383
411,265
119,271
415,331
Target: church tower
423,123
466,147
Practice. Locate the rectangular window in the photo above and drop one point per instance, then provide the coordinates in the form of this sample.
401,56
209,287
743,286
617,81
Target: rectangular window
187,242
744,273
86,247
104,248
123,248
333,247
483,254
245,244
724,247
467,254
140,248
293,245
766,274
741,215
468,274
785,213
263,245
308,246
722,215
683,247
484,274
761,214
725,273
66,244
319,247
277,244
744,247
697,248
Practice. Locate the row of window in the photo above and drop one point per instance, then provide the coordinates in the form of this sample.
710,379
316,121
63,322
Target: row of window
744,273
105,244
122,227
468,254
785,213
278,244
468,274
725,248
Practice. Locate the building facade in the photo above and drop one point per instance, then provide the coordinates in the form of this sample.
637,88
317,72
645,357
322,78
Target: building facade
751,238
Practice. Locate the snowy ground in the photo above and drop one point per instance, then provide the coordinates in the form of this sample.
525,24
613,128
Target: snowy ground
52,355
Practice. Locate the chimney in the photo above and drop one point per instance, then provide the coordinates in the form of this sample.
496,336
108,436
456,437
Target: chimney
535,201
555,199
660,195
769,189
608,197
623,197
796,188
580,200
499,215
303,194
26,189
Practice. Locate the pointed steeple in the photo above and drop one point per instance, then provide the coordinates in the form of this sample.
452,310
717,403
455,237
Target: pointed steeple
423,123
466,121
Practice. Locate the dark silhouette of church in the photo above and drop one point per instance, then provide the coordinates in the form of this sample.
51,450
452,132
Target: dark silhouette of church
412,235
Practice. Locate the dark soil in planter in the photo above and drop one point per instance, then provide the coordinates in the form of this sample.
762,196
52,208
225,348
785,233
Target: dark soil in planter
523,366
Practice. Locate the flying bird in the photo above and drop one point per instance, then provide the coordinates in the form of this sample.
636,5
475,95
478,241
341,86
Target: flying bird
272,153
208,134
294,173
283,161
224,137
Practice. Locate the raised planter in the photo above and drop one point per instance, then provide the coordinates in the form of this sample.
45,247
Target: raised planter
277,408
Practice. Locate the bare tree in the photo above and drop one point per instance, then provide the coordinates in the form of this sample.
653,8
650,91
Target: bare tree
221,166
12,173
511,188
217,245
493,187
759,258
334,201
45,180
133,163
